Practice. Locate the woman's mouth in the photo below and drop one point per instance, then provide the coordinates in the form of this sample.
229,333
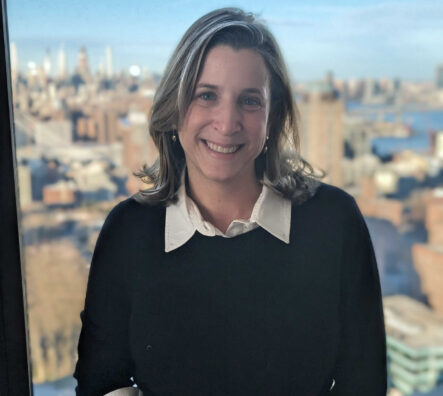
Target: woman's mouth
222,149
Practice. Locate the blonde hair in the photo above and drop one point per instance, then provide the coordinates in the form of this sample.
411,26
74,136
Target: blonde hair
285,170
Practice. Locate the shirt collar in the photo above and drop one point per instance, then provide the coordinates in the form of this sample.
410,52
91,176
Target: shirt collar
271,211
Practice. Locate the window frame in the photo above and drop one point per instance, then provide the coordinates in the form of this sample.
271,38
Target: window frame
15,375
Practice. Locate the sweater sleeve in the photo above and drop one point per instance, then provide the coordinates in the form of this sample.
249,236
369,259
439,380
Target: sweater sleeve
361,365
104,363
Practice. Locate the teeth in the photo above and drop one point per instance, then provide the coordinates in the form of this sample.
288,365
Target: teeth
220,149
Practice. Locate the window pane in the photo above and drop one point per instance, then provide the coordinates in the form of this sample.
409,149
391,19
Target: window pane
84,75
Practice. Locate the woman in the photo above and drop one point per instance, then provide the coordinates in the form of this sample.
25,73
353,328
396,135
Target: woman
236,273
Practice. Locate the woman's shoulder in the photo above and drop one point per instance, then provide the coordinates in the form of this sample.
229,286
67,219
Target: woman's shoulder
327,193
329,201
133,214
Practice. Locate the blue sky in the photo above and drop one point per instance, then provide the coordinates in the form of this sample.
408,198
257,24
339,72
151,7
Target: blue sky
352,38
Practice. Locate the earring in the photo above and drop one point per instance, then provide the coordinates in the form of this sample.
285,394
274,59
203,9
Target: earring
265,149
174,137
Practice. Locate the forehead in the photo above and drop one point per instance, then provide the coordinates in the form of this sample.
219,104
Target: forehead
242,68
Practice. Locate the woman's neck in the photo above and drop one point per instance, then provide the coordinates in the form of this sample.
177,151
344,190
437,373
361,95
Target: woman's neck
221,203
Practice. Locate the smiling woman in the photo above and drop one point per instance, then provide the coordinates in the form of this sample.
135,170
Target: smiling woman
184,85
236,273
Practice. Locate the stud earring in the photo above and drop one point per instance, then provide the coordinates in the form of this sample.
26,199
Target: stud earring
265,149
174,137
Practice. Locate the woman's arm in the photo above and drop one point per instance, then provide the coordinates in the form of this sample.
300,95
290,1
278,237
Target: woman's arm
104,362
361,365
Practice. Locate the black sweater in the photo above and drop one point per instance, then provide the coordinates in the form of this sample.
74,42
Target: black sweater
244,316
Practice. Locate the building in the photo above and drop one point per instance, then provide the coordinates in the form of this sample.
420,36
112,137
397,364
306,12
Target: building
24,185
434,220
414,344
322,140
83,65
371,90
61,193
138,147
428,261
109,62
437,145
53,133
62,64
107,125
47,65
372,205
69,155
86,129
93,181
428,257
439,77
43,172
358,136
56,275
14,61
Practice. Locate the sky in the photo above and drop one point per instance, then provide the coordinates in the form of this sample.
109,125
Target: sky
353,39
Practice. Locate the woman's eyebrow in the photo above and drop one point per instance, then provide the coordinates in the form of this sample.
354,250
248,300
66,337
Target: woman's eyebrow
253,90
204,85
246,90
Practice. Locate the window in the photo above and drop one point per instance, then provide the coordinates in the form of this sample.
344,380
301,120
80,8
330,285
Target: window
81,110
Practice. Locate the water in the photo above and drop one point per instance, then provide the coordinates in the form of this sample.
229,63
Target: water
421,122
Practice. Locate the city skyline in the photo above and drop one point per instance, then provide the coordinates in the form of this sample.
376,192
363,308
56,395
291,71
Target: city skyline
354,39
80,138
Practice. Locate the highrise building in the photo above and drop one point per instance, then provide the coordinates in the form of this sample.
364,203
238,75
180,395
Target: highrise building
83,65
414,345
428,257
62,64
138,148
53,133
439,77
14,61
24,185
47,64
322,141
107,125
109,64
438,145
371,89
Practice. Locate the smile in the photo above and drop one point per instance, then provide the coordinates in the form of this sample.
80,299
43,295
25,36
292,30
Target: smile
222,149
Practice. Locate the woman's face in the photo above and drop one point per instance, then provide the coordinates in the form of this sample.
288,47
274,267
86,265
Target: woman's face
225,127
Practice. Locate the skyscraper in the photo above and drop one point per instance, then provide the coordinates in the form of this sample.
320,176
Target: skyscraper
47,64
109,65
322,130
83,65
14,61
62,64
439,77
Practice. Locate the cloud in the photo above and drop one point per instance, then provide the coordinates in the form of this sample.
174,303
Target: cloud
399,18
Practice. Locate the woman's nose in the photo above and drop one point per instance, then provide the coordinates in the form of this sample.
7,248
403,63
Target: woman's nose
227,118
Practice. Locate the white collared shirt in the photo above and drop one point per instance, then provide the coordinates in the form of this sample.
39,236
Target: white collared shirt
271,211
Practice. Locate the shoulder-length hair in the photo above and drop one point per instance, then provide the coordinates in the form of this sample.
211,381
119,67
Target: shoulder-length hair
286,172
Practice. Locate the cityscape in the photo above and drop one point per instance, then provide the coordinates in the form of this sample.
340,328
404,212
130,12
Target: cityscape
82,132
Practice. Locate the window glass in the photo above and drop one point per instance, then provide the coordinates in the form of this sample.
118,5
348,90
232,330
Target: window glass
368,80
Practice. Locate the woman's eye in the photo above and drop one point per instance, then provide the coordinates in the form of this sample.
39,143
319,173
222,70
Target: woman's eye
206,96
251,102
